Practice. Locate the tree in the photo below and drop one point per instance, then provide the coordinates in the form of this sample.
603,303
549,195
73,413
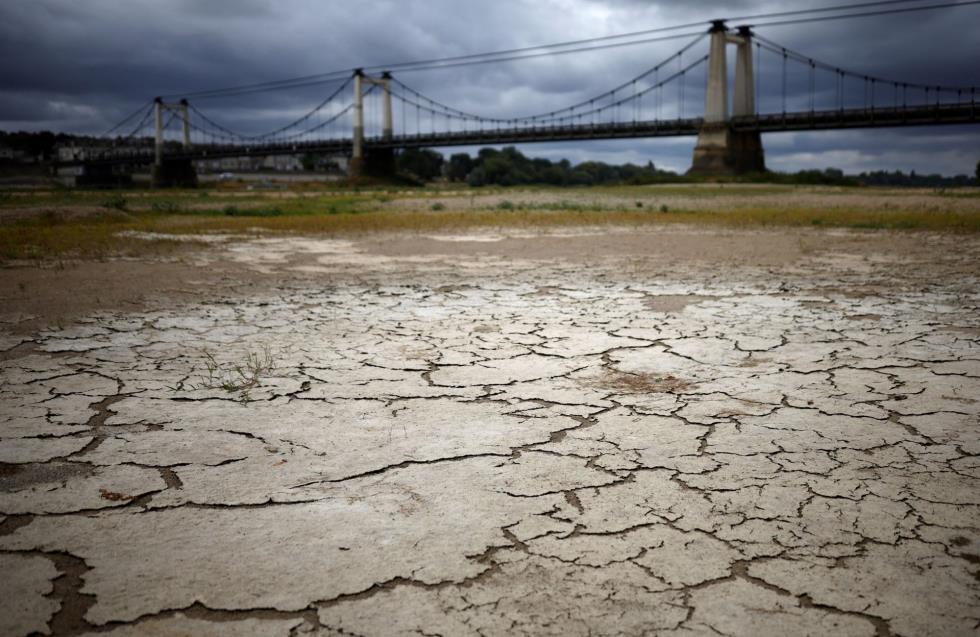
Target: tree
423,163
459,167
477,177
978,173
509,167
499,170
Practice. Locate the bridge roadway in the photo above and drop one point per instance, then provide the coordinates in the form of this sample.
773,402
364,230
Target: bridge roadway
889,117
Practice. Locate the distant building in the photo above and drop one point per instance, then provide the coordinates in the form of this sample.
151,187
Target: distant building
282,163
272,163
9,155
72,152
228,164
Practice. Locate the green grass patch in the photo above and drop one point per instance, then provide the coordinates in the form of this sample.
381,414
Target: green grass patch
235,211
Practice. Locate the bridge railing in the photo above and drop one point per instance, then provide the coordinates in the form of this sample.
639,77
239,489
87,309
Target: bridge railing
939,113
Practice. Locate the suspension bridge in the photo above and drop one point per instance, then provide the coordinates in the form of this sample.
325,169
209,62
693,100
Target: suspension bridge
372,114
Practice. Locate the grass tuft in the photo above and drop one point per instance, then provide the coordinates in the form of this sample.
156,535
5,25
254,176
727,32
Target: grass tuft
240,377
115,202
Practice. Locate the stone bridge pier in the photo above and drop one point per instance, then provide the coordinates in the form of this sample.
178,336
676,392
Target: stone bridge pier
171,173
379,162
720,149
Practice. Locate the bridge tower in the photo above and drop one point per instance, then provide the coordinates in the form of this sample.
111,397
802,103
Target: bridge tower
171,171
382,160
720,149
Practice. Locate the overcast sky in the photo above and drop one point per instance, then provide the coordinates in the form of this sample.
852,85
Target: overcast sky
80,66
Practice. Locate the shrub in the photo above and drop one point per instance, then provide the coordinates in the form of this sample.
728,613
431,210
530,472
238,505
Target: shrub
235,211
116,202
164,206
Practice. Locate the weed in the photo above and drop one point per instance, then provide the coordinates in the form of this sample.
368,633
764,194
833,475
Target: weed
437,206
505,205
238,377
164,206
664,208
116,202
235,211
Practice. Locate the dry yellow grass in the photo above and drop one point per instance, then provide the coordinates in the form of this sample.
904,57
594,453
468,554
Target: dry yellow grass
456,220
99,235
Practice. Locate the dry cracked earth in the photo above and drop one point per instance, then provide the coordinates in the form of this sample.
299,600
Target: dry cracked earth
474,436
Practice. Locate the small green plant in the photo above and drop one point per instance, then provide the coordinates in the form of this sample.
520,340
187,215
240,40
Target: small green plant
238,377
115,202
437,206
639,204
505,205
664,208
164,206
235,211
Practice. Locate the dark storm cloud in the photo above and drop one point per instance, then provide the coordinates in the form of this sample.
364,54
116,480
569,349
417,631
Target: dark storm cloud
81,66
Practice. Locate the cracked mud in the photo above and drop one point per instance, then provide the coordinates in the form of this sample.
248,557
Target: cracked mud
454,440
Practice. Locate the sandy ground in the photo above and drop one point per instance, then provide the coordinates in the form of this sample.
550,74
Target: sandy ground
697,197
669,431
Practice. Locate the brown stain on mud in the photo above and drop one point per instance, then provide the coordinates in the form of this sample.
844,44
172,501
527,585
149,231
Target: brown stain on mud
675,302
640,383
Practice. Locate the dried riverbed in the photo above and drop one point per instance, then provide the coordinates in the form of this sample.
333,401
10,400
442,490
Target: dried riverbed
677,432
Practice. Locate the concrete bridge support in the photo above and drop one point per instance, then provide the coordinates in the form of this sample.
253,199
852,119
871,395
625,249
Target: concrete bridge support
158,107
185,123
171,173
381,162
357,152
720,150
387,125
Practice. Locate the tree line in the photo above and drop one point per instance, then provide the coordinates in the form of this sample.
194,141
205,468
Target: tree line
509,167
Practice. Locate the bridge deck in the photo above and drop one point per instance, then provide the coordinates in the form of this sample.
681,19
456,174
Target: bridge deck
962,113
